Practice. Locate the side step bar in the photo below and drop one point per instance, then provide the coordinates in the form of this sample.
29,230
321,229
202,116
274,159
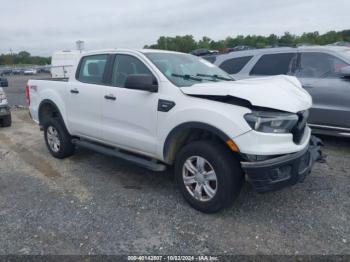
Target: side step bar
151,164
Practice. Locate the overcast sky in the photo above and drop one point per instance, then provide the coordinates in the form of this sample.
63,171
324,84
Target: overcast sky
43,26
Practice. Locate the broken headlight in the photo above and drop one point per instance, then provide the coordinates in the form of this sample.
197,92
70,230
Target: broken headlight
271,122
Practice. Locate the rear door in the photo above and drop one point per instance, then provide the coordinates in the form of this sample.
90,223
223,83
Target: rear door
84,97
318,73
129,117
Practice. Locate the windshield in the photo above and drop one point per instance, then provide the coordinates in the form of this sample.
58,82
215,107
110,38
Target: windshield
187,70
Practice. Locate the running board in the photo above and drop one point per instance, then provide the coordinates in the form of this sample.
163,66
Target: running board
151,164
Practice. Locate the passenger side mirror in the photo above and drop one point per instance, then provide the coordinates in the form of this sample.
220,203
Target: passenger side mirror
144,82
345,71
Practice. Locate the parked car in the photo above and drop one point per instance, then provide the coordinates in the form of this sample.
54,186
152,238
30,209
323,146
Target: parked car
17,71
30,71
341,43
5,71
239,48
324,72
158,108
3,82
204,52
5,113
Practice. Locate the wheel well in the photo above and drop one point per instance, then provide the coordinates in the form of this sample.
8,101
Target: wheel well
177,139
48,110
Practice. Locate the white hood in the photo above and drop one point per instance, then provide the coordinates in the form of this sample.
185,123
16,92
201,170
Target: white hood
277,92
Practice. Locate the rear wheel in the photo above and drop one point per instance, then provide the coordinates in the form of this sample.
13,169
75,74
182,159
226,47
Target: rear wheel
208,175
57,138
7,121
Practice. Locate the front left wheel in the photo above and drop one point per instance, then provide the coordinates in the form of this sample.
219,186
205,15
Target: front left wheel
208,175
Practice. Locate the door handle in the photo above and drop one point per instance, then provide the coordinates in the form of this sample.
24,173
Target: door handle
74,91
110,97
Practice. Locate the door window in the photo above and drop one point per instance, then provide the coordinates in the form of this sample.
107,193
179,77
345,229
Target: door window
319,65
125,65
275,64
92,69
234,65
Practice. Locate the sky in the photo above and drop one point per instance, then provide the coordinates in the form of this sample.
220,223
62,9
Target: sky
44,26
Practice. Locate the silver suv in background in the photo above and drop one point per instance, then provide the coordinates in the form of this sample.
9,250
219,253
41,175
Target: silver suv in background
324,72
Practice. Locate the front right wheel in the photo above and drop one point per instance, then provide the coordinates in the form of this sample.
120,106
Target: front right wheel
208,175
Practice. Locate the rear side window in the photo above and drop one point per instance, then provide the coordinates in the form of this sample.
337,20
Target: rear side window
234,65
319,65
92,69
275,64
125,65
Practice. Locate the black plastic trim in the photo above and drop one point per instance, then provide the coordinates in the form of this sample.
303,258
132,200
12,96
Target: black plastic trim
189,125
165,105
282,171
150,164
48,101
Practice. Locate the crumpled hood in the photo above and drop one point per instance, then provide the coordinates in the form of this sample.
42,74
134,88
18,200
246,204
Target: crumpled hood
277,92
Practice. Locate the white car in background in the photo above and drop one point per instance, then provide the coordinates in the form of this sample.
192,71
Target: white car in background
30,71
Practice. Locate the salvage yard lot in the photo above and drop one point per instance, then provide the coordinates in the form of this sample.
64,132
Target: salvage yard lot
91,203
95,204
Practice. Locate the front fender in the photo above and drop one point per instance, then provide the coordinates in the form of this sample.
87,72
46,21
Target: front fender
223,119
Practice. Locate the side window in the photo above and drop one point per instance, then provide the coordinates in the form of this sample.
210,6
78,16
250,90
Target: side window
319,65
92,69
234,65
275,64
125,65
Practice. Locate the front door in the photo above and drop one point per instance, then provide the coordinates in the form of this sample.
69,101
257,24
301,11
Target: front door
129,117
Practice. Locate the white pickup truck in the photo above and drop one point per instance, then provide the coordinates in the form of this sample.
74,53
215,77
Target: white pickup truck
159,108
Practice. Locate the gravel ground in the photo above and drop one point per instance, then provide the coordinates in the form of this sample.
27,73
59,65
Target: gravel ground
95,204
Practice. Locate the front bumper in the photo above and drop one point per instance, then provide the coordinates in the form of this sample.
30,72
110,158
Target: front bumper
282,171
4,111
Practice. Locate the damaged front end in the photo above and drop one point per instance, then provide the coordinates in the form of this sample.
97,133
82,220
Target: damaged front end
282,171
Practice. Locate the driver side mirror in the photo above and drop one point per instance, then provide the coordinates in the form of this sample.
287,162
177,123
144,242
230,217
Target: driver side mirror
345,71
144,82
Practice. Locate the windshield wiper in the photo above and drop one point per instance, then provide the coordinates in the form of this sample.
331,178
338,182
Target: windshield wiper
188,77
216,77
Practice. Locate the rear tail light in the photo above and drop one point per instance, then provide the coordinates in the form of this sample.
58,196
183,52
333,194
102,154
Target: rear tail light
27,95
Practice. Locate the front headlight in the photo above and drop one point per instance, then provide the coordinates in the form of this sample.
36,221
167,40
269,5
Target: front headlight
271,122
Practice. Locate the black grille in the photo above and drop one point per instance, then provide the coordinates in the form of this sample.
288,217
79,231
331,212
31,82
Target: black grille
298,130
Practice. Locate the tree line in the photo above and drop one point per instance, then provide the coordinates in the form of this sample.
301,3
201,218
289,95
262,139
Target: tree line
23,58
187,43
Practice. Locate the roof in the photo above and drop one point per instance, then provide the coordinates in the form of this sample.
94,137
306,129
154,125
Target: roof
115,50
252,52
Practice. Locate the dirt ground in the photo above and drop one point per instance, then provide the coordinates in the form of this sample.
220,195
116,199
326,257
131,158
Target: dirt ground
95,204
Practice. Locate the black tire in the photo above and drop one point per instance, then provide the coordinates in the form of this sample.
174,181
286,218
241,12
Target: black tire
66,148
228,172
7,121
